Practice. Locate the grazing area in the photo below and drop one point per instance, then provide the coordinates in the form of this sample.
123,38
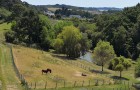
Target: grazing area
31,62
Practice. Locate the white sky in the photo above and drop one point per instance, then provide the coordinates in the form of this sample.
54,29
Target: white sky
87,3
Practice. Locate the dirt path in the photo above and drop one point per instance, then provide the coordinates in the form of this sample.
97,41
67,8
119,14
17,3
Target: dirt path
10,79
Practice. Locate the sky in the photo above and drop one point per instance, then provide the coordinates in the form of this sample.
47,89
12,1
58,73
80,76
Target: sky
87,3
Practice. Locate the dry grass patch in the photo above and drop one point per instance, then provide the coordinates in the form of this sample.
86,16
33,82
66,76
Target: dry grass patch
30,62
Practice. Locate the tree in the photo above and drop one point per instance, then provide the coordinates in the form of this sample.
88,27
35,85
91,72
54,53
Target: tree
58,27
17,11
31,29
58,45
71,37
120,63
72,42
103,52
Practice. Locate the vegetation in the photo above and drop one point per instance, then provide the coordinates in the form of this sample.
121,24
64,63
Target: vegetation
103,53
120,63
137,69
66,12
121,30
108,35
72,42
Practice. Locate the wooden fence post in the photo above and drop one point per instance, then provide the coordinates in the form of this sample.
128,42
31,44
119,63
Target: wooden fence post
45,85
74,83
103,81
83,84
31,85
64,84
89,68
56,85
35,85
89,82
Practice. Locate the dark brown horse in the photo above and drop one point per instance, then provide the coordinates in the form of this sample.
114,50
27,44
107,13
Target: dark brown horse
46,71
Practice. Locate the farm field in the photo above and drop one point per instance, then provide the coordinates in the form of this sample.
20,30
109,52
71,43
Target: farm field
30,62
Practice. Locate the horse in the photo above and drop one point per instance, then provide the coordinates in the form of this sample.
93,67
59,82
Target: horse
46,71
84,74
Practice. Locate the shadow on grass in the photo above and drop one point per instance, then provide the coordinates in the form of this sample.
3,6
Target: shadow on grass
119,78
62,57
99,72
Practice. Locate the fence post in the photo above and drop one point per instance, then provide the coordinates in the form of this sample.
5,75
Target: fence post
83,84
64,84
56,85
35,85
74,83
89,68
45,85
31,85
89,82
103,82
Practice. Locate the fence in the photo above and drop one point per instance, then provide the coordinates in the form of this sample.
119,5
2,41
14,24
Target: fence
20,76
66,84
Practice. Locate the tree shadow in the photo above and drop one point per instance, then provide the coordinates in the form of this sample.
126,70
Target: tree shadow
119,78
62,57
99,72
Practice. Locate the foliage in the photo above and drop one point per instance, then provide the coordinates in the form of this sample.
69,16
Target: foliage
121,30
9,3
31,29
58,27
58,45
73,42
120,63
103,52
65,11
4,13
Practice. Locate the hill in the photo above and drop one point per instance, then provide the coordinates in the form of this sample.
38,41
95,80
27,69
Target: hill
92,10
65,72
82,8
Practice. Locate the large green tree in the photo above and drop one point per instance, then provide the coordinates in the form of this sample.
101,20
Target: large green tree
72,42
103,53
71,37
31,29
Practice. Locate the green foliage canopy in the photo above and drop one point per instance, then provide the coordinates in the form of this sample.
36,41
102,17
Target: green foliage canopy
103,53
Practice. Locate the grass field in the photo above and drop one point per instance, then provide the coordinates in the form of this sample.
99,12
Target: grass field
8,78
3,28
8,75
31,61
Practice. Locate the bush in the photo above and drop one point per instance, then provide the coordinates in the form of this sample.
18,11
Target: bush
10,36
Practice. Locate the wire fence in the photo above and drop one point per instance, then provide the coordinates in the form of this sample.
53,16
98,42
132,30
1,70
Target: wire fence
19,75
91,83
